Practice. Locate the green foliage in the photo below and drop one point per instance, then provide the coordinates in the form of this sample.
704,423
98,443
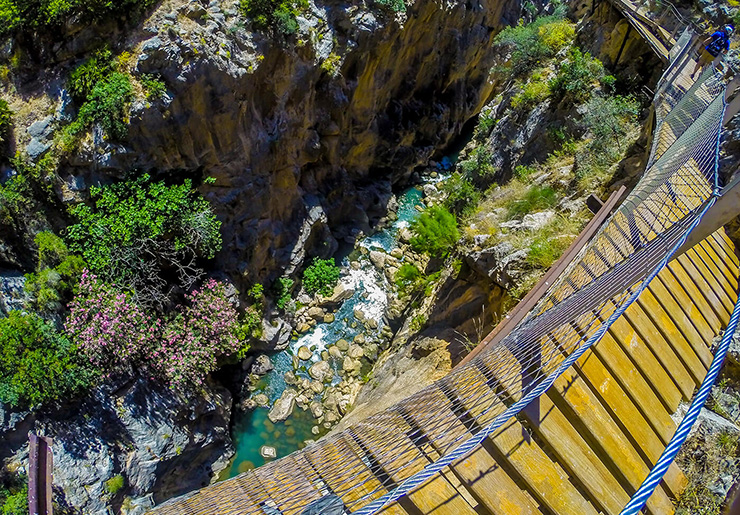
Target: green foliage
577,77
14,496
523,172
531,94
284,286
321,276
6,119
107,104
137,233
86,76
557,35
114,484
56,274
478,168
38,364
531,44
535,199
435,232
28,15
277,16
546,249
407,278
397,6
154,86
486,122
462,196
418,322
608,120
331,64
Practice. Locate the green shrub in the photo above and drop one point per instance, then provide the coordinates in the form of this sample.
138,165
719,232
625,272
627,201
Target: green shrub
486,123
545,250
14,496
154,86
142,234
535,199
557,35
609,120
38,364
397,6
107,104
57,272
284,286
114,484
278,16
6,119
435,232
462,196
406,278
321,276
530,43
86,76
531,94
577,77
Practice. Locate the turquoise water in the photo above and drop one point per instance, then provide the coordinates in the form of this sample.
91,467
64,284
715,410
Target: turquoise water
252,429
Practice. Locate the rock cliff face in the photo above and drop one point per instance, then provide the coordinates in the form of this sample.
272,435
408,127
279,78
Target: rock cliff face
303,153
159,442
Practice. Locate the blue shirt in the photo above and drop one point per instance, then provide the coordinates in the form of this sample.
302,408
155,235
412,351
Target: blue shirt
720,43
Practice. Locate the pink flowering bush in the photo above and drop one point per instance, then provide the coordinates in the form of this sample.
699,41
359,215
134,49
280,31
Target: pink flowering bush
193,341
115,334
108,327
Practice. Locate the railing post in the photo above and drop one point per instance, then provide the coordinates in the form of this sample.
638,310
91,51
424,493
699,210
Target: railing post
40,462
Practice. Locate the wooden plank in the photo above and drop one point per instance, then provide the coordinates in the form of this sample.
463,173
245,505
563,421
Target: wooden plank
346,474
725,247
696,297
400,458
636,385
691,309
286,485
573,453
719,268
487,481
672,319
665,354
633,344
719,256
626,414
713,277
712,293
579,404
547,480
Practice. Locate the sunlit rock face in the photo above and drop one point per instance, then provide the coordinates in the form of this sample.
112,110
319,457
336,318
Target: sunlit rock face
305,137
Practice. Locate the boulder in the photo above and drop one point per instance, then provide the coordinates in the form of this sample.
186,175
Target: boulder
316,313
328,318
321,371
342,292
497,263
290,377
334,352
317,410
316,386
405,235
304,353
359,315
397,253
262,365
370,351
359,339
283,407
342,345
303,328
261,400
355,351
268,452
378,259
275,335
350,365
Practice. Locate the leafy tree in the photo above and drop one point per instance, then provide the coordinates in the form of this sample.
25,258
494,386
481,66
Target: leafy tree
609,119
462,196
435,232
57,272
38,364
576,77
284,285
321,276
145,235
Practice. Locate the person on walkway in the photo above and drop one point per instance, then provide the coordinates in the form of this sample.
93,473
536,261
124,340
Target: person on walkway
716,44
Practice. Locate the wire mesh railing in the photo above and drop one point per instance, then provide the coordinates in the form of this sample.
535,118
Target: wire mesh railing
388,455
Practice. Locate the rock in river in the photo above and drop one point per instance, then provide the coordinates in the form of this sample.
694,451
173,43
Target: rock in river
321,371
262,365
304,353
283,407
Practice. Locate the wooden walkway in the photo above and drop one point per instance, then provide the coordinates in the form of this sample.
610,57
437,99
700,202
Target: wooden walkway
583,447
